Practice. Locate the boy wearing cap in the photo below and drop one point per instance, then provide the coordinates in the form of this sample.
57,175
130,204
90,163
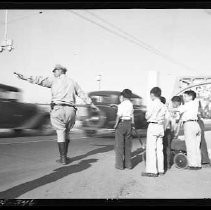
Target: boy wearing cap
155,116
123,126
63,111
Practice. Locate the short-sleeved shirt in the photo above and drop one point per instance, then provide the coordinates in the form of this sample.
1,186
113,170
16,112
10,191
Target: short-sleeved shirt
156,112
190,110
125,110
171,119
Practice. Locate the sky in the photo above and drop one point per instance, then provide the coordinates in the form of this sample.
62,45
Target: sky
87,46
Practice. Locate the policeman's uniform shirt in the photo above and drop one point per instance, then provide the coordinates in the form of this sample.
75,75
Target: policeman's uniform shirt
125,110
63,89
156,112
190,110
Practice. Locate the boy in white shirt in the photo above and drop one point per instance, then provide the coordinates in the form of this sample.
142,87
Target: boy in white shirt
155,116
192,131
123,126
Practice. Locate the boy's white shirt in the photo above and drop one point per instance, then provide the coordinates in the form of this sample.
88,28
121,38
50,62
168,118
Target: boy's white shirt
156,111
190,110
125,110
171,118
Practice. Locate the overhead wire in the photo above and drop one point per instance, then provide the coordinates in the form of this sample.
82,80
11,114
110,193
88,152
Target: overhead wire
121,33
130,38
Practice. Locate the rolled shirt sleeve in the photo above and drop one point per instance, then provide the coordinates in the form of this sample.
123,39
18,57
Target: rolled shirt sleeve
119,111
181,109
149,111
40,80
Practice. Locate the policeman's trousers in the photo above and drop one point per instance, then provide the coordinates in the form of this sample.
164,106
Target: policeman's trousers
192,134
123,145
63,119
154,149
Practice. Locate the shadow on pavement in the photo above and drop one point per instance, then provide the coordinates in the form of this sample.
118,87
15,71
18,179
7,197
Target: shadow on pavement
105,148
137,157
58,173
24,134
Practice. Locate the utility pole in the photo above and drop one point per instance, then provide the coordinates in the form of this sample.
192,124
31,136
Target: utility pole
6,43
99,76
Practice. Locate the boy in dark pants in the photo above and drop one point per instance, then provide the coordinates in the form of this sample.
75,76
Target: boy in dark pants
205,161
168,136
123,126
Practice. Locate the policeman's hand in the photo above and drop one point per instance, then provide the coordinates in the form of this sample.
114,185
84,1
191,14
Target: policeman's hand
94,107
20,76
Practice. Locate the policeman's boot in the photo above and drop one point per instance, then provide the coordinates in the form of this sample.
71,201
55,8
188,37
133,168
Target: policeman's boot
62,151
67,141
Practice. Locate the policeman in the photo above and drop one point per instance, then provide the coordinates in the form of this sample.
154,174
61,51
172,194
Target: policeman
123,126
63,110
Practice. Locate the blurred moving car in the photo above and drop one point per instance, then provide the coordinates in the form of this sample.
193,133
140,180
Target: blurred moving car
107,102
18,116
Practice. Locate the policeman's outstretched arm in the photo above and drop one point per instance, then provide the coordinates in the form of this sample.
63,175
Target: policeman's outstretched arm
80,93
39,80
20,76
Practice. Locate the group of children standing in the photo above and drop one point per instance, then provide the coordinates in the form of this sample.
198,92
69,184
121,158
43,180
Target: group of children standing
164,123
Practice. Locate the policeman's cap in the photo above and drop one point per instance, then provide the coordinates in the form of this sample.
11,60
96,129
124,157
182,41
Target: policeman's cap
126,93
59,67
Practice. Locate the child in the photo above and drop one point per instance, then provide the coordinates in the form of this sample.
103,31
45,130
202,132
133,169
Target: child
123,126
171,128
192,131
168,136
205,161
155,116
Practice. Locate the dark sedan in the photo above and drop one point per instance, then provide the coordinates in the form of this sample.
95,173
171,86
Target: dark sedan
107,102
17,115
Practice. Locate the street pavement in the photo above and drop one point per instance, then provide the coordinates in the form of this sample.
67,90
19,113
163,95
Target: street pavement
28,170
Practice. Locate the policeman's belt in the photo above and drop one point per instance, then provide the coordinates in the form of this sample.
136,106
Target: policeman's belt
53,104
189,121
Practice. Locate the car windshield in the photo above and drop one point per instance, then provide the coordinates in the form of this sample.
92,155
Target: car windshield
105,99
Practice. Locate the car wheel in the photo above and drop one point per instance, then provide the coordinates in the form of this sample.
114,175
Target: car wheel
180,160
96,119
18,132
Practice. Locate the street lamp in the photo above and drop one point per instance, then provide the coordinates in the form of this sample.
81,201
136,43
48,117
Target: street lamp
6,43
